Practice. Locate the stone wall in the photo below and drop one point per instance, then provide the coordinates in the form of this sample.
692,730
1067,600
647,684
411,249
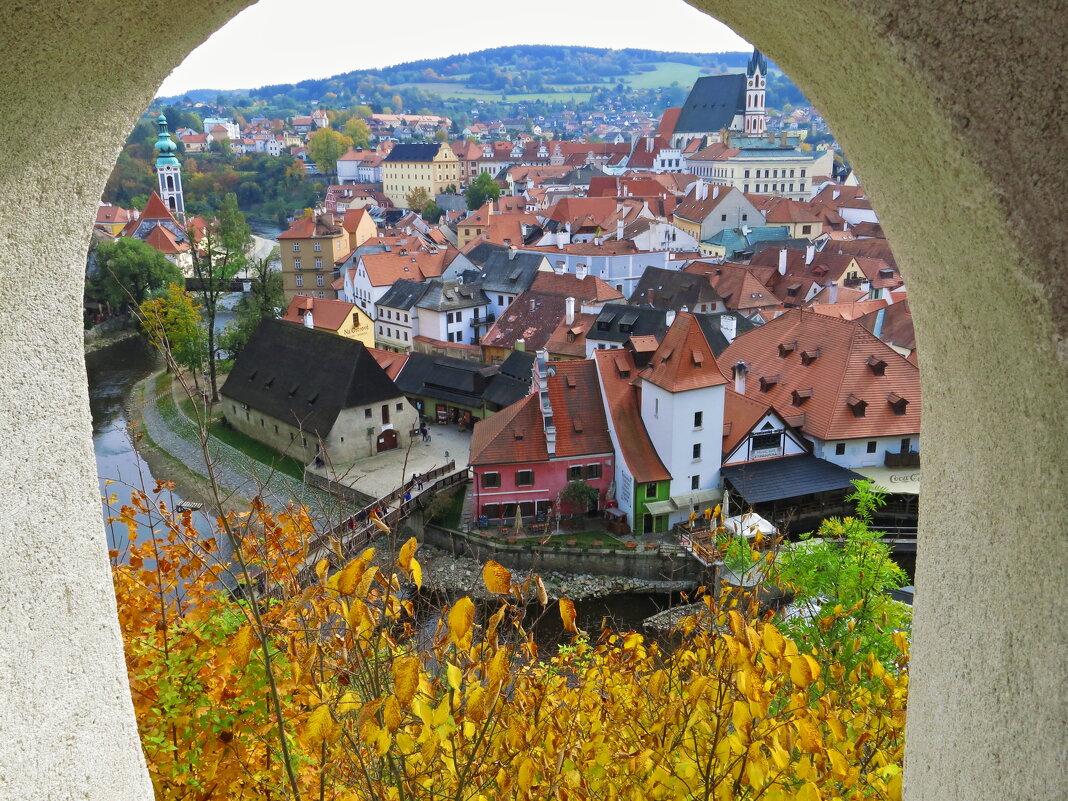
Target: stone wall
662,564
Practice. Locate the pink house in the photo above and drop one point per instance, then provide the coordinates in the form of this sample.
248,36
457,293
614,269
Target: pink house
526,454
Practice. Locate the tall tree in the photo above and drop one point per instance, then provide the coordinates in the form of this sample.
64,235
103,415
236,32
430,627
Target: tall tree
172,323
359,132
219,256
326,146
483,188
417,199
128,271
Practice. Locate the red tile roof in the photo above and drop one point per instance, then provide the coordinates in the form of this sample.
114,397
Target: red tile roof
738,285
833,359
696,209
617,373
684,359
570,340
164,241
532,317
514,434
668,120
591,288
312,228
389,361
578,413
329,315
111,215
384,269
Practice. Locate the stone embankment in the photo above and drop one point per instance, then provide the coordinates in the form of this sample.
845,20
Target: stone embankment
459,575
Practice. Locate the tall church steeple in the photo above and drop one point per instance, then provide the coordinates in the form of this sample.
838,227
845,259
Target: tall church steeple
756,75
169,170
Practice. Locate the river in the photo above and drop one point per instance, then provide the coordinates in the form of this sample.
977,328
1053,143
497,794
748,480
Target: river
113,371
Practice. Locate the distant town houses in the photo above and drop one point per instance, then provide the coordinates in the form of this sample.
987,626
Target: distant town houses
677,312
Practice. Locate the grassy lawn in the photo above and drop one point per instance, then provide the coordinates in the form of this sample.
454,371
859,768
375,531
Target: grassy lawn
189,409
256,450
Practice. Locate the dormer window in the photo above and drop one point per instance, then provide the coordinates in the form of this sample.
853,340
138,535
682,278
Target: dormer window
768,381
799,396
877,365
856,405
786,348
897,403
698,358
809,356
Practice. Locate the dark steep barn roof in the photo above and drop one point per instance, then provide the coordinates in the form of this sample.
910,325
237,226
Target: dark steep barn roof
305,377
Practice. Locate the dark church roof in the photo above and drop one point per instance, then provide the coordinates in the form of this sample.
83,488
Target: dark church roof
712,104
459,381
305,377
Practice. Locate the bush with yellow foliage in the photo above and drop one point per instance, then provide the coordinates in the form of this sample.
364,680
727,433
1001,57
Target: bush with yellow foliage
337,691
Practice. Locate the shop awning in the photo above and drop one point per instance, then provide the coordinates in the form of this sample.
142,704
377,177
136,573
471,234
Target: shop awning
894,480
661,507
788,477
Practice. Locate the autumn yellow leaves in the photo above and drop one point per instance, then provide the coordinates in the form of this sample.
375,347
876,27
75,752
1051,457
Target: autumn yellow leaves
384,697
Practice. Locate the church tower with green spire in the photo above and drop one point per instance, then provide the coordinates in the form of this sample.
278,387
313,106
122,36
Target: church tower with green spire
169,171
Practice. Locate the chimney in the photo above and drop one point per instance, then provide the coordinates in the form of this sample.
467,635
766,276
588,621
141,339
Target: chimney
581,271
569,311
715,191
782,139
728,326
533,304
670,318
834,291
597,241
520,344
308,321
619,229
810,253
512,250
782,261
739,377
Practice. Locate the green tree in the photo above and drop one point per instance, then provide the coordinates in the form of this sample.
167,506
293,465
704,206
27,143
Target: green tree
217,258
579,496
265,300
326,146
840,579
128,271
359,132
483,188
441,135
362,112
417,199
172,323
432,212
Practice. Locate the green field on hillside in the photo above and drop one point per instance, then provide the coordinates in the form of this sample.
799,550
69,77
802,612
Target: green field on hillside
666,73
458,91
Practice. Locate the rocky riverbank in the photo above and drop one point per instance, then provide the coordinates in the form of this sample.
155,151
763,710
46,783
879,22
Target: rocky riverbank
458,575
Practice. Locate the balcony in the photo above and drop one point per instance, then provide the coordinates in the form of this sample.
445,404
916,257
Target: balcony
489,319
909,459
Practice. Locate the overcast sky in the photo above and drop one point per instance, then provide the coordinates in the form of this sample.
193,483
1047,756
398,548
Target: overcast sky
279,41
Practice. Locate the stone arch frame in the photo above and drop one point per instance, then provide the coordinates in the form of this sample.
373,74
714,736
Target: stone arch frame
954,113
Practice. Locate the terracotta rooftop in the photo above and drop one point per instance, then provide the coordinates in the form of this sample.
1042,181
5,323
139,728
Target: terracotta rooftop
389,361
578,413
311,228
165,241
740,414
514,434
328,315
738,285
684,359
590,289
384,269
822,367
617,373
532,317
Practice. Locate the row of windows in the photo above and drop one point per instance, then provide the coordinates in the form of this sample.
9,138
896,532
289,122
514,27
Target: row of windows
369,413
315,295
317,247
505,511
525,478
392,333
873,446
758,188
297,265
773,174
389,314
319,281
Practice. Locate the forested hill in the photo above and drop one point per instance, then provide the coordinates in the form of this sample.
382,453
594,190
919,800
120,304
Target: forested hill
509,75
